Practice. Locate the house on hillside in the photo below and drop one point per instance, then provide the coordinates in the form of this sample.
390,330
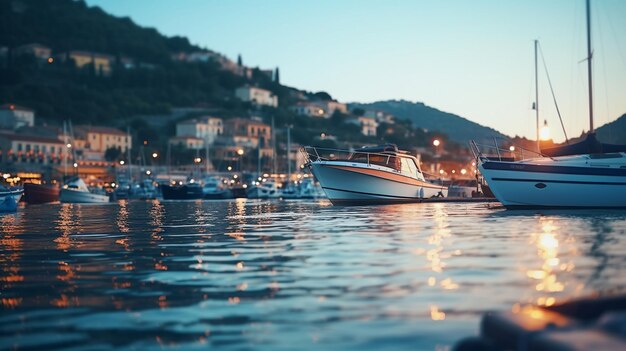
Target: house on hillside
206,127
40,52
310,109
13,116
254,132
256,96
368,124
379,116
187,141
102,63
91,143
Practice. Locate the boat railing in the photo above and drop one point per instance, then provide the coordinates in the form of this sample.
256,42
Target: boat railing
497,152
313,153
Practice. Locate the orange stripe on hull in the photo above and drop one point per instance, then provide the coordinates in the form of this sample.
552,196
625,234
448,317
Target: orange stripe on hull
386,175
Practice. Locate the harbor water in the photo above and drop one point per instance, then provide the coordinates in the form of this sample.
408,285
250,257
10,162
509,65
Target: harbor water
287,275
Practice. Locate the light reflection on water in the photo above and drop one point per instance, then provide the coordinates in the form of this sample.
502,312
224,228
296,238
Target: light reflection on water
284,275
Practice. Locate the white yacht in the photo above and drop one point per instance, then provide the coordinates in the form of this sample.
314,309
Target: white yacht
9,198
373,175
263,190
76,191
587,174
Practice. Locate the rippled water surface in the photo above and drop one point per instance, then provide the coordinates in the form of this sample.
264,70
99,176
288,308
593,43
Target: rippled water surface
247,275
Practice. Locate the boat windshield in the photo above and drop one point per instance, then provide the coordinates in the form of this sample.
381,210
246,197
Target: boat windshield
409,167
377,159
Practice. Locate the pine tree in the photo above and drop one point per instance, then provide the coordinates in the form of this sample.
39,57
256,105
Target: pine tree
239,62
277,76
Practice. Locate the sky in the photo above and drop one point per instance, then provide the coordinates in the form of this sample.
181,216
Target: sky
471,58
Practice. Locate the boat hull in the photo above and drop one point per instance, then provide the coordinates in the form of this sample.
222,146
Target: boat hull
75,196
183,192
531,186
9,200
345,185
40,194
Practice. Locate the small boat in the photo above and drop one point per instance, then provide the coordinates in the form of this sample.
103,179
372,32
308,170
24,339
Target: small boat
189,191
309,189
372,175
9,198
214,188
76,191
263,190
40,193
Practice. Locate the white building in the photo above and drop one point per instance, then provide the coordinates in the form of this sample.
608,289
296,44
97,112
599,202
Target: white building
14,116
28,148
187,142
99,139
380,116
368,125
321,108
257,96
207,128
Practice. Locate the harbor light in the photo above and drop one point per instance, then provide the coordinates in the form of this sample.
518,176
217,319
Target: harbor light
197,160
69,145
50,60
436,142
235,176
75,164
6,175
240,152
113,185
512,148
122,162
544,133
463,171
148,172
229,168
155,155
245,186
441,171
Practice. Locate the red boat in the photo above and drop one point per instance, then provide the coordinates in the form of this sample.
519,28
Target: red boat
40,193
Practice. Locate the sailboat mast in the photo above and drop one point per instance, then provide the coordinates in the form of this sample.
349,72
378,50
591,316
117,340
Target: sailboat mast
128,152
537,97
289,153
589,56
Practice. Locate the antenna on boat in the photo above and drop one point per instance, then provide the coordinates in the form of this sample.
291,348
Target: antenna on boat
589,57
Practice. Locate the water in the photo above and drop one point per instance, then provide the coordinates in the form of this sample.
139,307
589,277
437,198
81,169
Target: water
247,275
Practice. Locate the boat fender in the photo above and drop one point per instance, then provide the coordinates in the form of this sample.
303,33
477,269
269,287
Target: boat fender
421,192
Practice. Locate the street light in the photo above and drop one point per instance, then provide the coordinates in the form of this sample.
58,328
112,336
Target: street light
155,155
512,148
122,162
240,152
436,142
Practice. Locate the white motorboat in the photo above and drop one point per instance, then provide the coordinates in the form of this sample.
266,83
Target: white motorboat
587,174
374,175
263,190
9,199
214,188
309,189
76,191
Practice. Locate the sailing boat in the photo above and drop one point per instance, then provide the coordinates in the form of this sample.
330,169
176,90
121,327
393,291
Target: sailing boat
75,190
587,174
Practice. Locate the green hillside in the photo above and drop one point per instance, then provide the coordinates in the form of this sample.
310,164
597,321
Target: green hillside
614,132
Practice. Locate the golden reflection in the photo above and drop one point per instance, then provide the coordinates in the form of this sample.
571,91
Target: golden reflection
546,277
436,314
122,217
157,214
69,222
10,253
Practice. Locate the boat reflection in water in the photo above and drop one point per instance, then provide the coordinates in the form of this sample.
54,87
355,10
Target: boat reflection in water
374,175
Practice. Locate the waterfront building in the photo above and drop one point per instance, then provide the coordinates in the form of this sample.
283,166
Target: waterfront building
256,96
13,116
20,148
92,142
319,108
206,127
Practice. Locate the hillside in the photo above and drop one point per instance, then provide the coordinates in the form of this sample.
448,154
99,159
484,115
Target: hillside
614,132
457,128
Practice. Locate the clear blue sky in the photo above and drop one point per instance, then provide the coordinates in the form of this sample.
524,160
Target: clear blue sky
472,58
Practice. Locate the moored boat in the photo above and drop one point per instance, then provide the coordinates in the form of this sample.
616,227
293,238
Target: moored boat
76,191
40,193
214,189
191,191
373,175
9,199
263,190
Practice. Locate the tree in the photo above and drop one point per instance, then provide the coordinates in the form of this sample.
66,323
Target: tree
358,112
277,76
322,95
239,61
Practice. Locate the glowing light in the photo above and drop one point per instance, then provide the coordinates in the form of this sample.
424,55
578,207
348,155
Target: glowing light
436,315
113,185
240,152
544,132
197,160
436,142
511,148
122,162
68,145
155,155
50,60
441,171
75,164
235,176
463,171
245,186
230,168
